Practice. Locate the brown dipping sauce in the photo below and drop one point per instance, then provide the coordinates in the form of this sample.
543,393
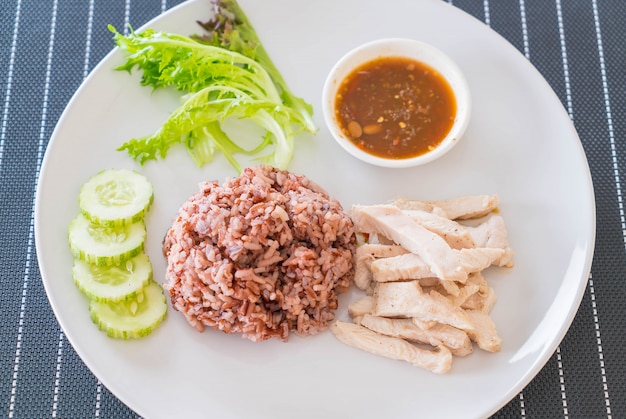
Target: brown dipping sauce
395,107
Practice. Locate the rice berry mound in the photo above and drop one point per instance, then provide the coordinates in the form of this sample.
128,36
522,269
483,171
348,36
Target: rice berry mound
262,254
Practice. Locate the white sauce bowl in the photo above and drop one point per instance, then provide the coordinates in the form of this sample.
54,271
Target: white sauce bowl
397,47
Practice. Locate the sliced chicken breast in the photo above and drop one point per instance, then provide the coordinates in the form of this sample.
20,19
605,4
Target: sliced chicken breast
438,361
458,342
478,259
456,339
393,223
412,266
484,331
361,307
493,233
482,300
456,235
397,268
368,253
407,299
462,208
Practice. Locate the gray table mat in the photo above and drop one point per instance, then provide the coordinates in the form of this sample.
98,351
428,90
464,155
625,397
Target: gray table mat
47,47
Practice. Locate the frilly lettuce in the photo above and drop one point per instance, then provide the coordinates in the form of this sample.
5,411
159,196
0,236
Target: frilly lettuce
216,83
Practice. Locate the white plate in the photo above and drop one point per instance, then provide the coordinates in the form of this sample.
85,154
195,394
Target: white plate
520,144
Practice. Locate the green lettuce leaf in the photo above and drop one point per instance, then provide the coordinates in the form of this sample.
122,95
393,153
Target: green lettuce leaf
216,84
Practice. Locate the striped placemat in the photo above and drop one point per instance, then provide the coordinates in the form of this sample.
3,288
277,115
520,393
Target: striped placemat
48,47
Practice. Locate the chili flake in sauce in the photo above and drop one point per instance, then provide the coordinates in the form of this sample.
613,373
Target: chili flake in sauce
395,107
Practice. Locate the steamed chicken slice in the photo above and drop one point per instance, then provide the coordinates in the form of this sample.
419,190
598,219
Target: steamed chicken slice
456,235
482,300
462,208
397,268
493,234
478,259
416,205
399,227
484,331
412,266
438,361
407,299
361,307
366,254
454,339
459,295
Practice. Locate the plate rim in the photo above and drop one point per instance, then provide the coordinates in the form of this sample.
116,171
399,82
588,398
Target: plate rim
524,380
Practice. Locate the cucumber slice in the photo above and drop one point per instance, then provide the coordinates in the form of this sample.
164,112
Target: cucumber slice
104,246
113,283
131,319
116,197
